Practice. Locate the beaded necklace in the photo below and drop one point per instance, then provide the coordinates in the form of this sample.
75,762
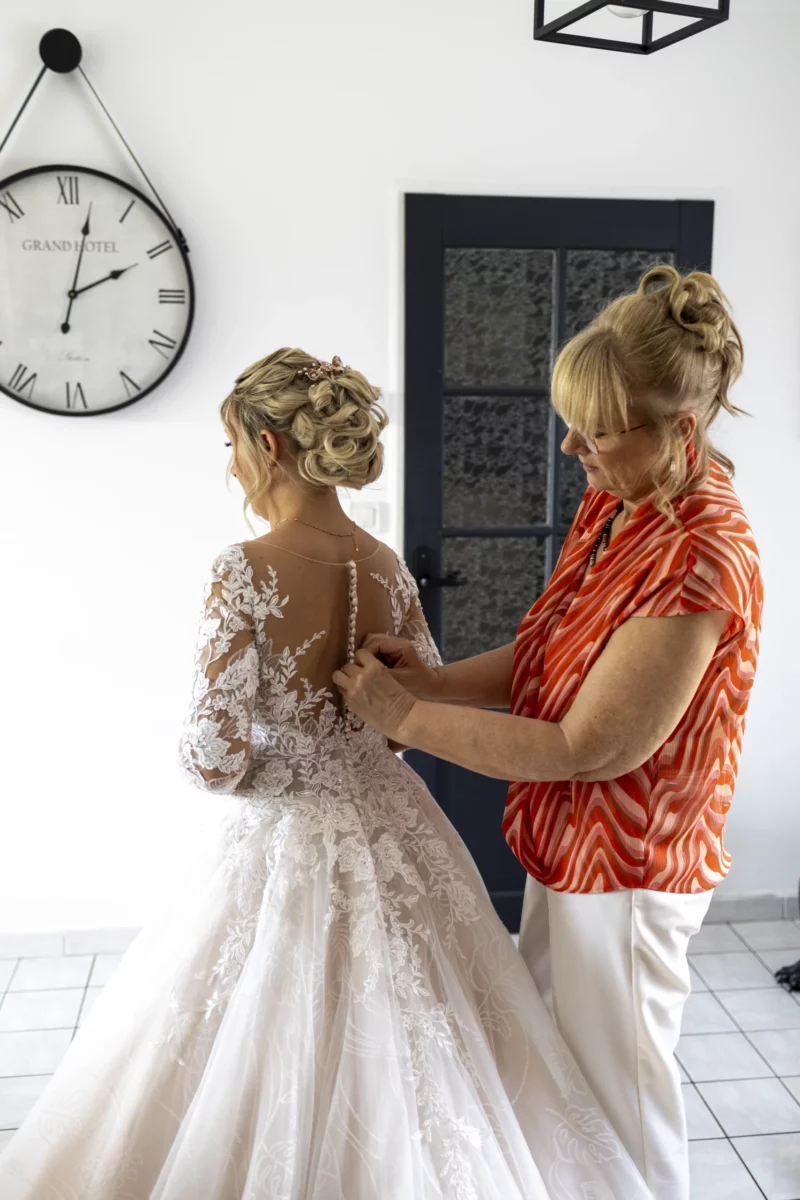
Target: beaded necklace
604,538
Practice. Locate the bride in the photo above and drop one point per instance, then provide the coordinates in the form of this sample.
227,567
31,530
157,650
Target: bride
336,1013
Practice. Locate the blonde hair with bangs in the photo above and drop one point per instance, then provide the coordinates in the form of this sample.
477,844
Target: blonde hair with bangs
332,423
668,349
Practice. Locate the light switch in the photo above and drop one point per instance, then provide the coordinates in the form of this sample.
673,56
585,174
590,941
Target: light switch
369,514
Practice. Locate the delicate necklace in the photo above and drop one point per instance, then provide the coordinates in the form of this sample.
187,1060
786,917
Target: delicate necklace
297,521
604,538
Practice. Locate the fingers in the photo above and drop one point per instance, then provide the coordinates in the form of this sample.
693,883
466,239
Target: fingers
345,678
383,646
342,681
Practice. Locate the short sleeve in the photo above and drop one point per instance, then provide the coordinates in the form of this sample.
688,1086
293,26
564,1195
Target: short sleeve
700,573
215,744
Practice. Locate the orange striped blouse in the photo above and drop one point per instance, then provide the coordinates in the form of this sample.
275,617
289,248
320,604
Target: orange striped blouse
660,826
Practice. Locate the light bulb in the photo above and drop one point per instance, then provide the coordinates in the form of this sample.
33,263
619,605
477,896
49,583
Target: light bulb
626,12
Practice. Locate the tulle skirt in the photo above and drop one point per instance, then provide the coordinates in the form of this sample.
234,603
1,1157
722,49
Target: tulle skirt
334,1012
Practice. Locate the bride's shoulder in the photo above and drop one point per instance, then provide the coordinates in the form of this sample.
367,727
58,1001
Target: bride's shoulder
264,549
391,571
232,557
398,563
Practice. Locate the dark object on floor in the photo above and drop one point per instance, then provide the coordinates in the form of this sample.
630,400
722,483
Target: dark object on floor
789,977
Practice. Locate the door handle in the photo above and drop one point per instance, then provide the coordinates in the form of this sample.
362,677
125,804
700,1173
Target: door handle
426,579
452,580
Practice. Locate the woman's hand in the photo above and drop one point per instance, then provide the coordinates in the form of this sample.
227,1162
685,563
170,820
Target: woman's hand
402,658
373,693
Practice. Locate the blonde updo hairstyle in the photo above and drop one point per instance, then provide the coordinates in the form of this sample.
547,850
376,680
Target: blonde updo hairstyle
669,348
332,422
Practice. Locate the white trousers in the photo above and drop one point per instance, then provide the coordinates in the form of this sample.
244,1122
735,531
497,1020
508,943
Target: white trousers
612,967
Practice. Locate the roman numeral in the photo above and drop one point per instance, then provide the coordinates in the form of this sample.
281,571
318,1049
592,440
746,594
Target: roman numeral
68,192
129,384
171,295
19,383
161,248
74,396
163,343
127,210
12,208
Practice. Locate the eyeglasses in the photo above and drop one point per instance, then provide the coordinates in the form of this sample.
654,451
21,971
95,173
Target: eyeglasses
591,443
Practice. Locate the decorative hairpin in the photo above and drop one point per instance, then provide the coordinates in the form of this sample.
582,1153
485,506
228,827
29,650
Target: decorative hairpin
323,370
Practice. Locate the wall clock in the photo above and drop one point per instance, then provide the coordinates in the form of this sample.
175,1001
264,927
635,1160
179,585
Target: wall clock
97,296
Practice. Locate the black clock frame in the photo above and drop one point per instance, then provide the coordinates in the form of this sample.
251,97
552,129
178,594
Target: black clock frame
180,245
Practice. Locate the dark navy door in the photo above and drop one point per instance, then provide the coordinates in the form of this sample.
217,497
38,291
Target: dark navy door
493,287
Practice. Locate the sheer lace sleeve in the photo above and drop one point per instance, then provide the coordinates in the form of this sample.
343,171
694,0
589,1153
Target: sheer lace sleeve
410,620
215,745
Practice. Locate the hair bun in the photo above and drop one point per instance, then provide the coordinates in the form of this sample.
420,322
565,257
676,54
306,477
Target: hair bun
329,411
338,428
697,304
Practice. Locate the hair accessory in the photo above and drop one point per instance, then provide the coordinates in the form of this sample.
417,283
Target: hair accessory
324,370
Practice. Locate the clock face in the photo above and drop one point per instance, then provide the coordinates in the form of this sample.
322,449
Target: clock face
96,293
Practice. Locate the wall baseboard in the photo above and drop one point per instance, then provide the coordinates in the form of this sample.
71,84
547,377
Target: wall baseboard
755,906
83,941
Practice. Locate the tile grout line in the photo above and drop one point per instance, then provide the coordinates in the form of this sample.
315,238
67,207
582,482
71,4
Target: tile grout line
28,991
744,1033
718,997
75,987
745,987
33,1074
780,1080
83,998
743,1137
744,1078
50,1029
736,933
749,1172
14,970
713,1114
749,1041
702,1097
788,950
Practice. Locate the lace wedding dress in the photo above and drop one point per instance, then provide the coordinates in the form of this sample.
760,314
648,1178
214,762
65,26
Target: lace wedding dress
336,1013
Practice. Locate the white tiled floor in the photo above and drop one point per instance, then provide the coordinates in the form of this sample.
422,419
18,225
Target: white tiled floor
746,1081
739,1054
718,1173
48,984
733,969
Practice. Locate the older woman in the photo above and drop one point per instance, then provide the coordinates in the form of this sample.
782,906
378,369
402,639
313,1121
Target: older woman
628,686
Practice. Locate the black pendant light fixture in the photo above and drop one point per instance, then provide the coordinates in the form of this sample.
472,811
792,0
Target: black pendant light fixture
699,17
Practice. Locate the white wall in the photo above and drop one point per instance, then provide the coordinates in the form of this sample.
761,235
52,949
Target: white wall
283,136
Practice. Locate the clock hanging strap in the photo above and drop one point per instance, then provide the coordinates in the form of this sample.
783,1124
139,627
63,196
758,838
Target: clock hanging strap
61,52
24,105
142,171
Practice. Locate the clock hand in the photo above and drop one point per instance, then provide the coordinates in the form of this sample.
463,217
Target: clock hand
105,279
72,292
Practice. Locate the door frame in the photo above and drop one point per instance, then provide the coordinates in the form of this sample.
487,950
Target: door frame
435,222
